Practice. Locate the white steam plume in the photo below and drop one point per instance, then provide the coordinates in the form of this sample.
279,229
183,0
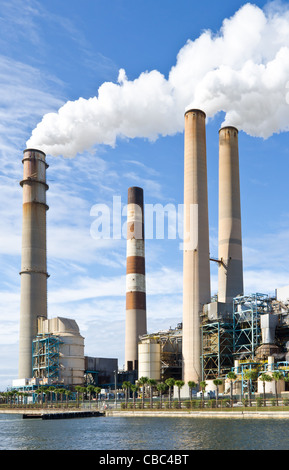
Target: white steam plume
243,70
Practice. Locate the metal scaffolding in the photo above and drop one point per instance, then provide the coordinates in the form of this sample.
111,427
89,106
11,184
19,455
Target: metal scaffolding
45,357
246,324
217,346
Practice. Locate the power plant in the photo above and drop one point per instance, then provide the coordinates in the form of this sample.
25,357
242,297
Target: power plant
227,332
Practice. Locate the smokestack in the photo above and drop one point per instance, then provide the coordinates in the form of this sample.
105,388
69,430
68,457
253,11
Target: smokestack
136,324
196,257
33,261
230,275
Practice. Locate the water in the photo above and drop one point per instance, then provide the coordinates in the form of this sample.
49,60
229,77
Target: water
114,433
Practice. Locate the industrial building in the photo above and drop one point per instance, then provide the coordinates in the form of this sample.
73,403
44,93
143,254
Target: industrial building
231,331
51,351
228,332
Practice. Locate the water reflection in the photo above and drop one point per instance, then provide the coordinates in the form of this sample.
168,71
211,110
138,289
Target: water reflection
143,434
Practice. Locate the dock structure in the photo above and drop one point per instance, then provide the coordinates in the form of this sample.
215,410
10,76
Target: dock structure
61,414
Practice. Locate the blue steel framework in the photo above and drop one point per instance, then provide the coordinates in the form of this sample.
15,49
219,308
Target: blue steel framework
217,347
223,342
45,357
246,324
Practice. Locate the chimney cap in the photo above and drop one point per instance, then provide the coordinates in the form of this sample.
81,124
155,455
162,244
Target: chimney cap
34,150
195,110
135,195
228,127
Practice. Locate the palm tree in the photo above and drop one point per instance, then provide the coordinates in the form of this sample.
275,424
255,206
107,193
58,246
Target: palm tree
179,384
161,387
90,389
142,381
78,389
97,392
250,375
265,378
203,385
51,389
134,388
67,394
277,376
232,376
126,387
151,383
191,385
217,382
170,383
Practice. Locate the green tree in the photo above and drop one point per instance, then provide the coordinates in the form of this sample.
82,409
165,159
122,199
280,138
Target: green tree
126,387
142,381
97,392
161,387
90,389
61,392
179,384
134,389
170,383
250,375
217,383
191,385
151,383
79,390
265,378
67,395
203,385
277,375
232,376
50,390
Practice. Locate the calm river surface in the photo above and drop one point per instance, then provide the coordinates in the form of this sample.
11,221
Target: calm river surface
114,433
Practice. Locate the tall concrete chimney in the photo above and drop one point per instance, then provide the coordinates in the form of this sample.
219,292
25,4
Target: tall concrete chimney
230,273
33,261
136,323
196,256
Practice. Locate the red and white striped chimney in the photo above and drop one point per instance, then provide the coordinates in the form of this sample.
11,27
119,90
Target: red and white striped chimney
136,323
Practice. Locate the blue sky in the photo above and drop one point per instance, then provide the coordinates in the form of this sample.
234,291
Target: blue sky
56,52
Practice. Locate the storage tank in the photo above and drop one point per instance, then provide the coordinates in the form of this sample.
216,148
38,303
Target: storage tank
149,354
71,353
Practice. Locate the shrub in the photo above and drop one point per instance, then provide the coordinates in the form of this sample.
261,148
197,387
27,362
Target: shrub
259,401
187,404
273,401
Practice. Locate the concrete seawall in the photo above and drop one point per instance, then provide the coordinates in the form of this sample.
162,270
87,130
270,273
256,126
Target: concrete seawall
198,414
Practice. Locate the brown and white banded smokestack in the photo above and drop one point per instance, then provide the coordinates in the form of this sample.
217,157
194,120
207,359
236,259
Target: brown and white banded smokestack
136,323
230,275
33,260
196,257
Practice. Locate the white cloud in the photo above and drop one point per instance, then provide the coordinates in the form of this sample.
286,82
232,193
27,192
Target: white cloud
240,70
